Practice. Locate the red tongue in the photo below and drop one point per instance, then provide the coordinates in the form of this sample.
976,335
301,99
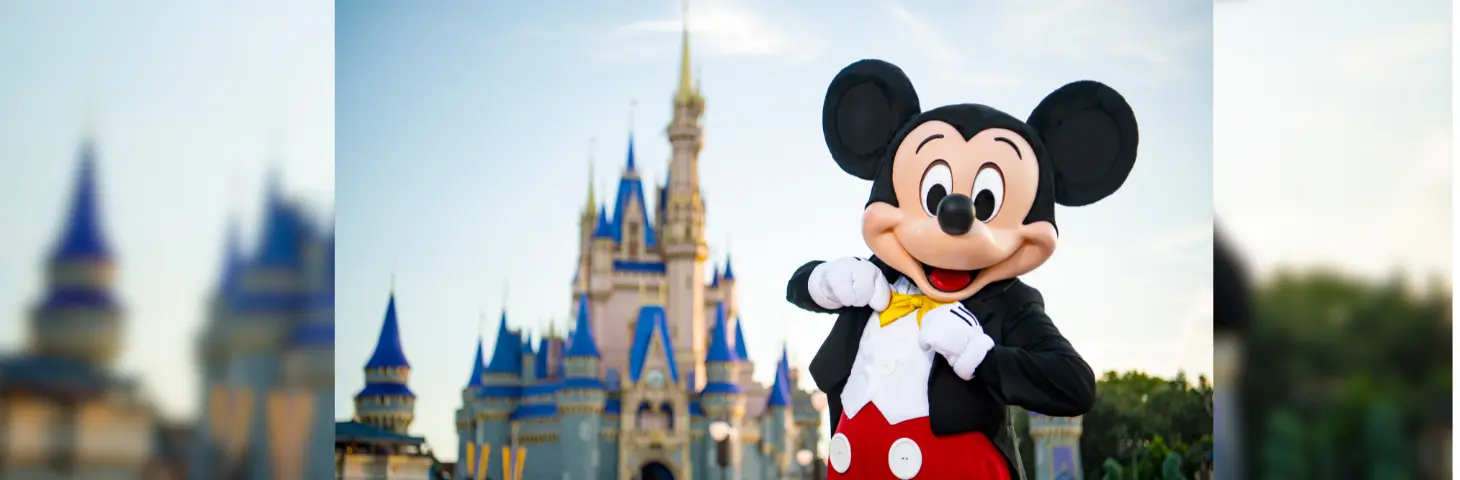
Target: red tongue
949,280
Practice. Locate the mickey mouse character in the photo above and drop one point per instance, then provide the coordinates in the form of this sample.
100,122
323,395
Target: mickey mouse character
935,334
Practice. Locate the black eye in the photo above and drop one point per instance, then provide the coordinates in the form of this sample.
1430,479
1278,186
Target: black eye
937,182
988,193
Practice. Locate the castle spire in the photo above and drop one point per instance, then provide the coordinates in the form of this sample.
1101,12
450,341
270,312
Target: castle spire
583,344
232,259
588,208
740,351
687,95
507,353
477,367
629,164
720,350
82,237
388,352
780,395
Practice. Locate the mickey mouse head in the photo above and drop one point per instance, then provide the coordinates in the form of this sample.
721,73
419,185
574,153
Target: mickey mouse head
963,195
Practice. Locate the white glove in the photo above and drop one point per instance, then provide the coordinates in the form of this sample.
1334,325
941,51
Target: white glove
849,282
953,331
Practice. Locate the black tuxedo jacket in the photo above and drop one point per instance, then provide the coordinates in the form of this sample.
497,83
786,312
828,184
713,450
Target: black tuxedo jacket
1031,365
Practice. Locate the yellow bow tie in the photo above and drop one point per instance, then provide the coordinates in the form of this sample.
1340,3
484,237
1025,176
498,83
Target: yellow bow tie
902,305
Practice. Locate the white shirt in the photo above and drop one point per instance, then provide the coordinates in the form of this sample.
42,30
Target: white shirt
890,370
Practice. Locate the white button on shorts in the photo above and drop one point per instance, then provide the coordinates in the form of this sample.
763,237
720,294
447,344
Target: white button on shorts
904,458
840,453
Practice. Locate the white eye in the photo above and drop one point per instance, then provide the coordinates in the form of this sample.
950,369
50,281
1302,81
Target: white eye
988,193
937,182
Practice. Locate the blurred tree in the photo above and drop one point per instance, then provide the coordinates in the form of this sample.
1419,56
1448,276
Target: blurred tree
1139,417
1282,454
1113,470
1171,469
1353,367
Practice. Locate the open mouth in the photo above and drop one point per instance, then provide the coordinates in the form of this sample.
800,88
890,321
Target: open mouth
949,280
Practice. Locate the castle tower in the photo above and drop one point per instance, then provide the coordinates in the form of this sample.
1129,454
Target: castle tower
726,286
580,399
587,227
779,423
747,367
501,388
1056,447
309,360
600,283
465,420
80,318
722,399
386,402
684,248
529,359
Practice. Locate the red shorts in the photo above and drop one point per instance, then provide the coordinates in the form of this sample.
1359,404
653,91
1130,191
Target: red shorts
867,447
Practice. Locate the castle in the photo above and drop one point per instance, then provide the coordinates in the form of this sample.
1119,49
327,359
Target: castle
656,357
267,353
71,415
64,383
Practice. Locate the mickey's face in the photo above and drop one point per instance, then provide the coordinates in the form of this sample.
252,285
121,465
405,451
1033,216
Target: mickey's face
963,195
960,209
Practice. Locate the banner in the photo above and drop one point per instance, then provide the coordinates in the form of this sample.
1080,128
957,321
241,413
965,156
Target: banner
290,415
230,411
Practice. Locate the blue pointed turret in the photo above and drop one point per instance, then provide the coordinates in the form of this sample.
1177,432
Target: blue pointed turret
720,350
232,260
582,343
283,230
740,341
720,360
604,229
386,376
785,366
715,276
388,352
80,280
631,189
82,238
478,368
507,353
729,272
629,165
542,359
780,394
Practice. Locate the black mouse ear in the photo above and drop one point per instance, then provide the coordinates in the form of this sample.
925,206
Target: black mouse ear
1089,133
866,105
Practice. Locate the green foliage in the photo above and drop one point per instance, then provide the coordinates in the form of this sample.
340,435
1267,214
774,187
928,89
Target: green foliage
1171,468
1142,419
1113,470
1342,375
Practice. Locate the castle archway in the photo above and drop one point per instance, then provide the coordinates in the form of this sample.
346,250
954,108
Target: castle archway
655,471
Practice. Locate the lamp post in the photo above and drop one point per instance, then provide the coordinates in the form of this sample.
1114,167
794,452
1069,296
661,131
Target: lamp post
721,432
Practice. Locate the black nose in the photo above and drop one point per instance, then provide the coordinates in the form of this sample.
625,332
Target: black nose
955,214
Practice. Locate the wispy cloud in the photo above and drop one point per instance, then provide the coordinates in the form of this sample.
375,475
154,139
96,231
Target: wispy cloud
952,62
1131,30
727,28
1180,242
1051,31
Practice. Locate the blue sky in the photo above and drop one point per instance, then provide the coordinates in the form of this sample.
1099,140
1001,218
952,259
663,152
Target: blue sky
1334,133
190,103
464,135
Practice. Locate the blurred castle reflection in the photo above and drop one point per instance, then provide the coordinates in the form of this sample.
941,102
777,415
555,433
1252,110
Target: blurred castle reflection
66,413
267,355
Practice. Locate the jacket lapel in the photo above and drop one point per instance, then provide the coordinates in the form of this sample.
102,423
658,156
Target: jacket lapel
833,361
